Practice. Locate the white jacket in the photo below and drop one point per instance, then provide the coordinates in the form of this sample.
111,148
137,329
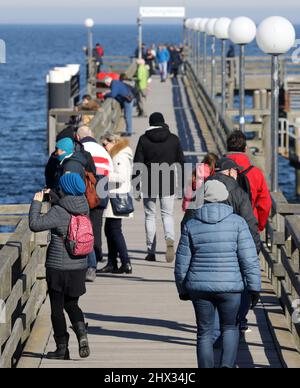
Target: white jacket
120,178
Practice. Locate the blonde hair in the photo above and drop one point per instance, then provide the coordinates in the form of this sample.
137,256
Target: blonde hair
111,137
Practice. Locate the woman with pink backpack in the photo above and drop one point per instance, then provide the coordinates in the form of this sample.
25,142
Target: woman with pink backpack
66,261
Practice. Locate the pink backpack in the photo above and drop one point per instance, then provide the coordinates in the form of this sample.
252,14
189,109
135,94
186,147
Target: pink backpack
80,238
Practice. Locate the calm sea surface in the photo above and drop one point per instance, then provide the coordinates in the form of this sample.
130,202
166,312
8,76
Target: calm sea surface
31,52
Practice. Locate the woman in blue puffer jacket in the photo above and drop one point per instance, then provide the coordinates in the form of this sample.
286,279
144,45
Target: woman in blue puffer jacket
216,260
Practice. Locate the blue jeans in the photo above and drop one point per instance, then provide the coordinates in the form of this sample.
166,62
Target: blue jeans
128,109
228,306
92,260
167,214
163,68
244,310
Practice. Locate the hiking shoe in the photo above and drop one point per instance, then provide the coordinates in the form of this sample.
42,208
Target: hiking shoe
151,257
108,269
170,256
125,269
80,330
62,352
91,275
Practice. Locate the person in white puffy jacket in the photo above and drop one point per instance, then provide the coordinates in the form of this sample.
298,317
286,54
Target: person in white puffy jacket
120,183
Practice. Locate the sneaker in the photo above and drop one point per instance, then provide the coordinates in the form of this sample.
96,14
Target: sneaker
91,275
151,257
170,256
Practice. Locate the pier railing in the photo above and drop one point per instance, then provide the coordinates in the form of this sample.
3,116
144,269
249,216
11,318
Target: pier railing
281,258
22,281
217,125
107,118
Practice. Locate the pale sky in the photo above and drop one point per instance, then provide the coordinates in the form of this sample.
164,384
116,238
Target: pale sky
125,11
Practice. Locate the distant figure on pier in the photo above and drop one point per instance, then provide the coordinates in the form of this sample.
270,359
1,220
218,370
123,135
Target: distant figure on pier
124,95
157,147
65,275
144,52
98,54
120,205
253,181
231,52
216,256
163,58
104,166
175,61
142,78
151,62
230,56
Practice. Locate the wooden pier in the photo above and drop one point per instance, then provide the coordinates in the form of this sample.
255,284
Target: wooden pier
138,320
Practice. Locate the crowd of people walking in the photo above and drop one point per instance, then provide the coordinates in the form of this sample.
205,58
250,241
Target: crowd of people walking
226,204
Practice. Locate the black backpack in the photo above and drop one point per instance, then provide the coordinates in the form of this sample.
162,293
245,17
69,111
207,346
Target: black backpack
244,183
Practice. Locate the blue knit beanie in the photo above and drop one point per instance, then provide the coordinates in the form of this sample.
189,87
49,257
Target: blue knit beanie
66,145
72,184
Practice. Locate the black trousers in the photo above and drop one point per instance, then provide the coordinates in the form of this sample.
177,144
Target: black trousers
116,242
96,216
59,303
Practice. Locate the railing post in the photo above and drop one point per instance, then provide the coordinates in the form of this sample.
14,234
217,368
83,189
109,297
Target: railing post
297,151
213,68
224,78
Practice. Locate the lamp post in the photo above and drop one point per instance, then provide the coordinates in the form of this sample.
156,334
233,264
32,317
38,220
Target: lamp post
210,30
242,31
197,27
275,36
222,33
89,23
204,65
194,29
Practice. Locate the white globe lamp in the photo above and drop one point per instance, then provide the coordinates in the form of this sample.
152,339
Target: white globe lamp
89,23
242,30
222,28
275,35
210,27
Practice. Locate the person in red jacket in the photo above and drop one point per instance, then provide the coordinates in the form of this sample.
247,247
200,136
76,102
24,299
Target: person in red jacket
260,194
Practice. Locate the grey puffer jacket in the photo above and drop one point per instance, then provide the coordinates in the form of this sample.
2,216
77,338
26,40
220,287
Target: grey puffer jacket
57,220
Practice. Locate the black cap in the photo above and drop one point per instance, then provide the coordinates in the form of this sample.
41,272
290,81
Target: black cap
225,164
156,119
67,132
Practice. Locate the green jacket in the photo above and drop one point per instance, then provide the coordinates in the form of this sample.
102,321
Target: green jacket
142,77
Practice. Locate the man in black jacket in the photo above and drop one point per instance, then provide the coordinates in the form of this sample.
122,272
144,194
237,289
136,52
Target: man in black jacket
159,166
